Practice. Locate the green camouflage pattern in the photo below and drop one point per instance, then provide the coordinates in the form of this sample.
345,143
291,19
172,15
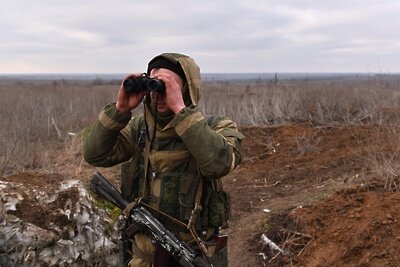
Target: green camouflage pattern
213,143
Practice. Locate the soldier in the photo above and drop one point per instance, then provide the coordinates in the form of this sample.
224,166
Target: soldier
173,157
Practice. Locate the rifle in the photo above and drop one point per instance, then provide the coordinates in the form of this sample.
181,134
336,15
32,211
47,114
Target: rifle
142,219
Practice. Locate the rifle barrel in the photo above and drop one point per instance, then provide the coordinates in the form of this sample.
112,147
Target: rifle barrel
101,186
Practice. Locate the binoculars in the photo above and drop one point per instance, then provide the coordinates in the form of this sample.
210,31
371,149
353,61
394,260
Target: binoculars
143,83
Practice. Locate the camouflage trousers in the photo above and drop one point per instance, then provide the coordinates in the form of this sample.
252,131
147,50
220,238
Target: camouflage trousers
144,253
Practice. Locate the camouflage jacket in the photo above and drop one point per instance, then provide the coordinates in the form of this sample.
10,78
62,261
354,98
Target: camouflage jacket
191,146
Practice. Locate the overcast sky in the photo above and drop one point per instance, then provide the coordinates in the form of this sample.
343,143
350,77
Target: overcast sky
105,36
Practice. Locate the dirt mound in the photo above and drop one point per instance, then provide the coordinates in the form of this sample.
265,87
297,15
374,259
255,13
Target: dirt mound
36,179
289,168
354,227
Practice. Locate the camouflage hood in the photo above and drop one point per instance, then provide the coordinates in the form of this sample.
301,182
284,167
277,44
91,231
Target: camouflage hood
191,90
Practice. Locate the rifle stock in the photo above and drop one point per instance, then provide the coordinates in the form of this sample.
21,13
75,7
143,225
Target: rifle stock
143,219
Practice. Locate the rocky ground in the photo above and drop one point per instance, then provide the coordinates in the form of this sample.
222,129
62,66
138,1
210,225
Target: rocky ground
305,195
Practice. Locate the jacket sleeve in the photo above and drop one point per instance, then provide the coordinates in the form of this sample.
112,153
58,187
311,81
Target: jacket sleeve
216,149
110,141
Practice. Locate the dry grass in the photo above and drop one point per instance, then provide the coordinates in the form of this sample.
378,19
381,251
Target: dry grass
344,101
41,119
39,114
382,160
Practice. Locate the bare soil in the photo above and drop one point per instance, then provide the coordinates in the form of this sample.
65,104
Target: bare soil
309,189
31,211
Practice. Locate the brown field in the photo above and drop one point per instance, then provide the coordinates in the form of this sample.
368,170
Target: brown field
321,170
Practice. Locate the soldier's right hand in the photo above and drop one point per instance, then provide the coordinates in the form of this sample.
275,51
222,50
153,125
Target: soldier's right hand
129,101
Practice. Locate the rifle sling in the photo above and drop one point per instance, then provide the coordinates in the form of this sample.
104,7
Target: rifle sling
178,222
194,216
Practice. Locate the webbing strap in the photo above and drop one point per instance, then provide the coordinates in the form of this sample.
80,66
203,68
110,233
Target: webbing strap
146,168
150,123
195,215
131,170
197,205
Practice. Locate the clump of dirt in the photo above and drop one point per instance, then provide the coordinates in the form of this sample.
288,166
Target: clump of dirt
30,210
